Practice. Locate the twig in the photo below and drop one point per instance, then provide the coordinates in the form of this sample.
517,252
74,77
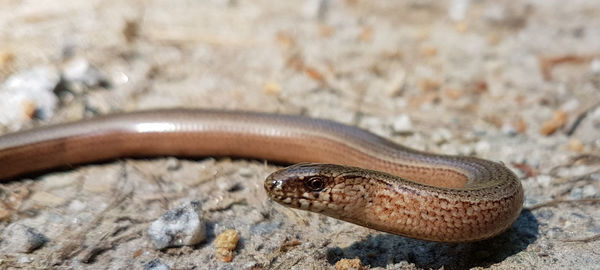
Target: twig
587,176
576,160
547,64
580,116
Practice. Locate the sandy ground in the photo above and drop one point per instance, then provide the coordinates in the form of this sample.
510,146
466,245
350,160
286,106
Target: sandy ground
511,81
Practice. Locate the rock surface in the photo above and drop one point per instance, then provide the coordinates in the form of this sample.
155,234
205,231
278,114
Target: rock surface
511,81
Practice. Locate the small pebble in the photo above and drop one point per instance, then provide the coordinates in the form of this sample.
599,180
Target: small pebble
227,185
156,264
494,13
226,242
316,9
428,85
26,95
77,206
575,145
576,193
20,238
482,147
595,66
415,141
79,73
181,226
544,180
373,124
173,164
402,124
458,9
245,172
466,150
252,265
349,264
441,136
571,105
586,191
509,129
589,191
272,88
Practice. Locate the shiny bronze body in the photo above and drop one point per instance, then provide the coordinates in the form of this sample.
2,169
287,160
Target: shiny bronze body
388,187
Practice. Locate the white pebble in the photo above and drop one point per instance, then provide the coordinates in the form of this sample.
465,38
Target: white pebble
402,124
441,135
482,147
571,105
316,8
78,72
544,180
173,164
466,150
28,92
595,66
458,9
589,191
373,124
181,226
245,172
77,206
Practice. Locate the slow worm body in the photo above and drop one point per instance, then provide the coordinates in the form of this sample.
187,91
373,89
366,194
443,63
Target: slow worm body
376,183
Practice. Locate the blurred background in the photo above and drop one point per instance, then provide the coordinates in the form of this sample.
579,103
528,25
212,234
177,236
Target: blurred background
511,81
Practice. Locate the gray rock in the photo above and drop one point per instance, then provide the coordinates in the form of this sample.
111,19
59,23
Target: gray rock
156,264
20,238
181,226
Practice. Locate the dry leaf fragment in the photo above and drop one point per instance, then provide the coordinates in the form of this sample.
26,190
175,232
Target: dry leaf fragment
226,242
557,121
347,264
314,74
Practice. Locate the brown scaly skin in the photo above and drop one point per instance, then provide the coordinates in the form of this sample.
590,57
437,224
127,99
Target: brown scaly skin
446,198
388,203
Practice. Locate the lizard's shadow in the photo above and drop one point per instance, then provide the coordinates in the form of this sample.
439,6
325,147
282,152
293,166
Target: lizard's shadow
384,249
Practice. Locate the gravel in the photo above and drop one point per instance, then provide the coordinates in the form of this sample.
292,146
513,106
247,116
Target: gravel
511,81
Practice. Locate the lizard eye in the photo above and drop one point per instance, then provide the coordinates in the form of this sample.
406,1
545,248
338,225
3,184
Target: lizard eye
315,183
